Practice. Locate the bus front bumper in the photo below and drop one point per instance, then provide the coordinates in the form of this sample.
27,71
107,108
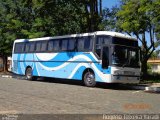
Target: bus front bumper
125,79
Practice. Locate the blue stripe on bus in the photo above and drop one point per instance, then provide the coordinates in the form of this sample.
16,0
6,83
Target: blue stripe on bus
62,69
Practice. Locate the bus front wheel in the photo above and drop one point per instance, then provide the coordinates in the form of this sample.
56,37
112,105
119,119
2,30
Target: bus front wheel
89,79
29,75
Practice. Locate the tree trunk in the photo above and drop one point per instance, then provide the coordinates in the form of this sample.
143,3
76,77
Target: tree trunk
87,6
144,68
92,15
144,57
5,67
100,7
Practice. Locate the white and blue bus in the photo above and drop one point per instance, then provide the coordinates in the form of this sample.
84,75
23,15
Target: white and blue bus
100,56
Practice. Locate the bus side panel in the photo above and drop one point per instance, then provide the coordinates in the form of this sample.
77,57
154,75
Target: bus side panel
68,65
21,64
60,65
102,77
18,63
77,73
56,65
100,74
15,63
47,65
24,61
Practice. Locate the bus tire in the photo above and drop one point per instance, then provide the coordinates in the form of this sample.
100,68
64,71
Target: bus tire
89,79
29,75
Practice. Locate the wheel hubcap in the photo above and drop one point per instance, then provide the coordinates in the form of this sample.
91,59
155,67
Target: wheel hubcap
90,78
29,74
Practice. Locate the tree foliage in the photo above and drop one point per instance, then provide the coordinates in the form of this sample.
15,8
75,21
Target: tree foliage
139,18
40,18
110,19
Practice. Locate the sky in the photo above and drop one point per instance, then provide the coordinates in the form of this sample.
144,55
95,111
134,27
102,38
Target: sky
109,3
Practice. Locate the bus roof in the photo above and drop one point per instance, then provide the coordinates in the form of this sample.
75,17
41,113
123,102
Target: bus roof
115,34
110,33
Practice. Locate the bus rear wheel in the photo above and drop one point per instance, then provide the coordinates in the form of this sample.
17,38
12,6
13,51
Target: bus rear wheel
89,79
29,75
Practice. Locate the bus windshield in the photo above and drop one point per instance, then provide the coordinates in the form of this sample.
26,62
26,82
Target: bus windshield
124,56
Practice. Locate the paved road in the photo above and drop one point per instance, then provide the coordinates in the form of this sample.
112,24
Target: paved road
36,97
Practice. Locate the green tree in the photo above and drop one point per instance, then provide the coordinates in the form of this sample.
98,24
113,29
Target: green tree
93,14
38,18
8,29
139,18
110,19
155,54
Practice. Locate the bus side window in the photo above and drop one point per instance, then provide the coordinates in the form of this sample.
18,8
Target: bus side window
56,45
38,46
106,40
50,46
98,47
32,47
80,44
99,40
43,46
71,44
88,43
19,48
27,47
64,44
15,48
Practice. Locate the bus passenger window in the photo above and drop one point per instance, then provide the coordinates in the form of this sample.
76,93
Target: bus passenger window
19,48
64,44
99,40
88,43
55,45
71,44
106,40
80,44
27,46
32,45
44,46
16,50
38,46
50,46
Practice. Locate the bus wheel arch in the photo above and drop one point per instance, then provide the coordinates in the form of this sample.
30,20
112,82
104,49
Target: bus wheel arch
28,73
88,77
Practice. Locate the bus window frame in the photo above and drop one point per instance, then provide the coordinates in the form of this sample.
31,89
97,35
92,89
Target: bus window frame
101,45
46,49
17,43
34,43
91,39
25,46
91,44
